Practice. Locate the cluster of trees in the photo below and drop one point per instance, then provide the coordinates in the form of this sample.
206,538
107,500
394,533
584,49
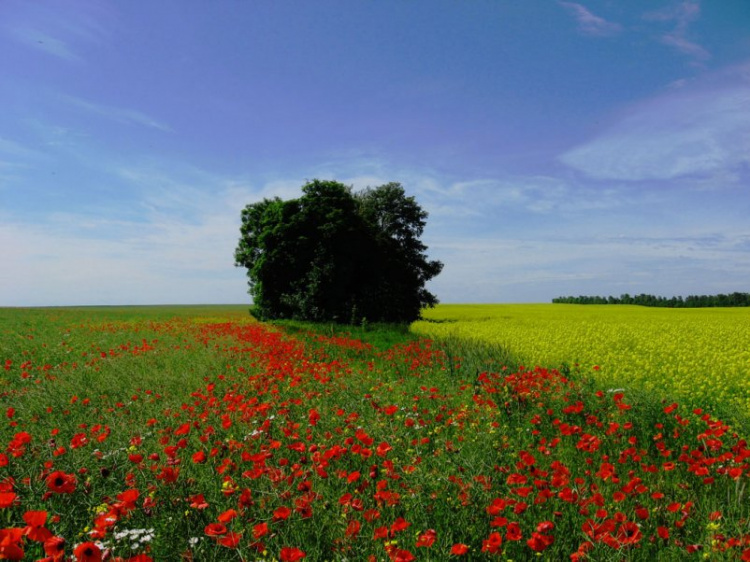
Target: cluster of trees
337,255
691,301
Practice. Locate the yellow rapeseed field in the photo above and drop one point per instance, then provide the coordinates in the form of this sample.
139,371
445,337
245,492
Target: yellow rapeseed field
694,355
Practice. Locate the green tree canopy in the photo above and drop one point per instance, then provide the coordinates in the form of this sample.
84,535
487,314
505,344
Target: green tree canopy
336,255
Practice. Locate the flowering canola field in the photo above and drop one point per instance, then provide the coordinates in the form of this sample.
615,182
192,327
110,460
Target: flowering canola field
198,434
699,355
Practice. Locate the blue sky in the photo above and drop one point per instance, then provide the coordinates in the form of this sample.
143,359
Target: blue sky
594,147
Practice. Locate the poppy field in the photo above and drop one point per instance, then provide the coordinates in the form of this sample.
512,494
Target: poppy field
199,434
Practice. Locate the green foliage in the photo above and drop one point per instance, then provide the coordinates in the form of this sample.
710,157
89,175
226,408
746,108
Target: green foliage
691,301
334,255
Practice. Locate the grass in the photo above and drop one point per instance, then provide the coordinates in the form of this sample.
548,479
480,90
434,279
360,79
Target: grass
177,434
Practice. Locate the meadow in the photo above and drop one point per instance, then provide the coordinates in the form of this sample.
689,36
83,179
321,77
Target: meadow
196,433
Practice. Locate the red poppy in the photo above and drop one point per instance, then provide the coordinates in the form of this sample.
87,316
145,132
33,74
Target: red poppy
7,499
88,552
35,528
291,554
281,513
227,516
399,524
380,533
260,530
427,538
230,540
493,543
641,513
459,549
401,555
198,502
629,533
671,408
352,529
54,547
168,474
215,529
383,449
513,532
10,543
61,483
545,527
539,542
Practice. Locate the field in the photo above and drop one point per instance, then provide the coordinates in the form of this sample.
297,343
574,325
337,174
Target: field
199,434
699,357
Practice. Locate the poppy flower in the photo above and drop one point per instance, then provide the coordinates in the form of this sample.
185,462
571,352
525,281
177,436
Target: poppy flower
35,528
545,527
230,540
513,532
168,474
7,499
401,555
459,549
352,529
10,543
493,543
629,533
399,525
291,554
539,542
59,482
198,501
88,552
260,530
427,538
215,529
380,533
281,513
54,547
227,516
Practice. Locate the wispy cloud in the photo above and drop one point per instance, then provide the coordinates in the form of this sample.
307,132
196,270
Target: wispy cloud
64,33
682,15
45,43
589,23
15,149
119,114
699,130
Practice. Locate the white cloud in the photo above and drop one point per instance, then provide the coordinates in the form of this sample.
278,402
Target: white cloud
682,15
119,114
703,130
589,23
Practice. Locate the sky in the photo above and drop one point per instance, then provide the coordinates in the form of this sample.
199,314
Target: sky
560,148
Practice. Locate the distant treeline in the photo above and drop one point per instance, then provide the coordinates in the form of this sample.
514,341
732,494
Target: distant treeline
691,301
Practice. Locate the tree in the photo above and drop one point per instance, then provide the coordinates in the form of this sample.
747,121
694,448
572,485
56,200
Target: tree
337,255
